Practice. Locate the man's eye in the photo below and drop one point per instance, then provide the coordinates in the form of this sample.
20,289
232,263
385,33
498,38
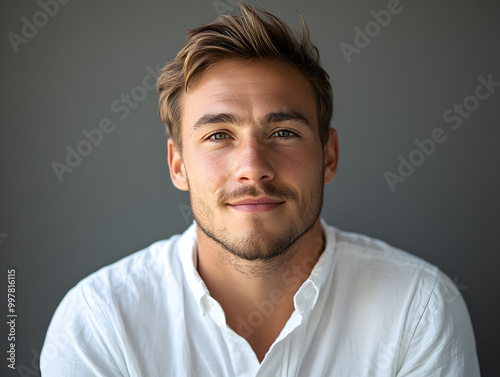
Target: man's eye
218,136
284,134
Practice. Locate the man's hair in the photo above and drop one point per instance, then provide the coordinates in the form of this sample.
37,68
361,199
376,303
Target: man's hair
253,34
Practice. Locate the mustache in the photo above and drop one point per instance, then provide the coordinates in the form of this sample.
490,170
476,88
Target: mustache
268,189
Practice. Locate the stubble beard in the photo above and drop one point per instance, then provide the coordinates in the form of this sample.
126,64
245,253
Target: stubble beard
272,251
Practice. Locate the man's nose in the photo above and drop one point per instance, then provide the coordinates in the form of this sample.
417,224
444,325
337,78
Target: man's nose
253,162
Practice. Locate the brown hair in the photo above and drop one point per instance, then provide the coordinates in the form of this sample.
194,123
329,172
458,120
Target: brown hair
245,36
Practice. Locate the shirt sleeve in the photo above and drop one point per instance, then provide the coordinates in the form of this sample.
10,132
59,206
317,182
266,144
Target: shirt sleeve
442,343
79,341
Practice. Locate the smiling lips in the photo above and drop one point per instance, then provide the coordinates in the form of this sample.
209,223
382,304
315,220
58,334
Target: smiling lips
256,204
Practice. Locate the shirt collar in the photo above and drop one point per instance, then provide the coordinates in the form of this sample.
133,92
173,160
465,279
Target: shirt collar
307,295
188,251
305,298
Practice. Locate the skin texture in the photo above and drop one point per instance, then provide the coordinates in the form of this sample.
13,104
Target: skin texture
255,169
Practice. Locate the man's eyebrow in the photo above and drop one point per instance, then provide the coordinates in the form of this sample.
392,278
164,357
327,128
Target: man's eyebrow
267,119
214,118
283,117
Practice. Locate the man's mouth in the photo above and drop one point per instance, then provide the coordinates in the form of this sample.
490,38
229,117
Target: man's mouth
256,205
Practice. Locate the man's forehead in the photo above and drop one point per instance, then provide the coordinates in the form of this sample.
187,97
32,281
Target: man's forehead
251,74
263,86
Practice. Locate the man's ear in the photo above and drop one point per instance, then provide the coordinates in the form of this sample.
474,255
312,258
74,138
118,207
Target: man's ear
331,155
176,166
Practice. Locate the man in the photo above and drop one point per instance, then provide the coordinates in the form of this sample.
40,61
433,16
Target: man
258,285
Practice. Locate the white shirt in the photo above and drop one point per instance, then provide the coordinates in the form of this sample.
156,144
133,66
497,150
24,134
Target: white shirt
367,309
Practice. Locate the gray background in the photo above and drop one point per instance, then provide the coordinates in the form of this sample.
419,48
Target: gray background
119,199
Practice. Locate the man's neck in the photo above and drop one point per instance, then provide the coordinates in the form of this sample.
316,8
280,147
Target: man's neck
257,296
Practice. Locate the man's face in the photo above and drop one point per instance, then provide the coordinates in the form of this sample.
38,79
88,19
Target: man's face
252,157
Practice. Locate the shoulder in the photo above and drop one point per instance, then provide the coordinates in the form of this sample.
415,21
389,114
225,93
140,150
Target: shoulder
142,265
136,271
378,258
385,276
389,277
407,297
135,280
101,316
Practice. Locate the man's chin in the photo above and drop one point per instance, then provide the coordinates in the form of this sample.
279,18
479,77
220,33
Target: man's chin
258,242
252,251
257,231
